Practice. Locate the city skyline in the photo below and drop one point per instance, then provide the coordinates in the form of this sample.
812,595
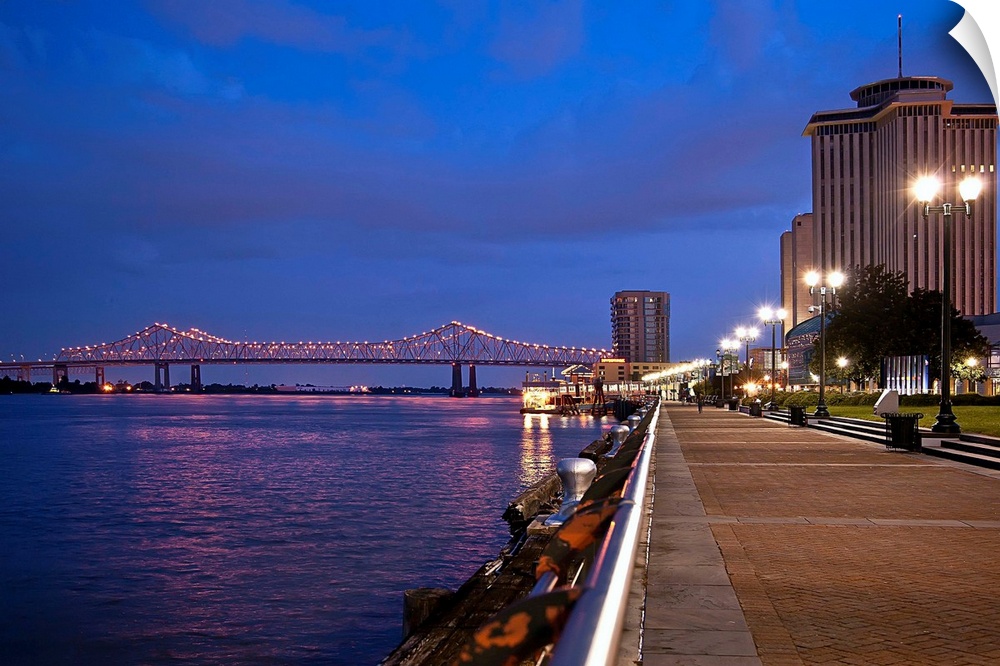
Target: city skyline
269,170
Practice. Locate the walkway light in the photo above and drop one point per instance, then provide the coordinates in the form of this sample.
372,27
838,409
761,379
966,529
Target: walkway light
926,188
747,335
970,188
772,318
833,281
925,191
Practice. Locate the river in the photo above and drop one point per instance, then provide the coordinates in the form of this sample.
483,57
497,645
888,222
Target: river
249,529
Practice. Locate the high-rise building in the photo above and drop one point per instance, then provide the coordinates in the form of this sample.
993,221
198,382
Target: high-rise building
640,326
796,260
865,161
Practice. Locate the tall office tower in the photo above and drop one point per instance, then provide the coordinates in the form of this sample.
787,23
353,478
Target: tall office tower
796,261
864,163
640,326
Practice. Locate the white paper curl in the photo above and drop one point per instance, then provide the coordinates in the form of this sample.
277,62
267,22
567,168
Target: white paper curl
979,33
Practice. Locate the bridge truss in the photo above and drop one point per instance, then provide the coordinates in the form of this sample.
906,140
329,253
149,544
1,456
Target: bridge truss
449,344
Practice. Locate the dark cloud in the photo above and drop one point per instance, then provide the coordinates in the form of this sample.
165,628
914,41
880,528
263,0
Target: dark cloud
534,38
244,166
224,23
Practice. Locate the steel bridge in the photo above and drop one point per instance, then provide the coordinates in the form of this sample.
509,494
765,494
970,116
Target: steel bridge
160,345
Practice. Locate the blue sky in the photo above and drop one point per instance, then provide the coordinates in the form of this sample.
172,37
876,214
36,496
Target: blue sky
279,170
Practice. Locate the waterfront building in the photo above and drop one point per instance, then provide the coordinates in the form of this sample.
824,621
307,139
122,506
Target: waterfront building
620,371
640,326
864,163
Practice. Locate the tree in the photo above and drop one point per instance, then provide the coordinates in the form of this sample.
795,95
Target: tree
922,327
875,317
867,314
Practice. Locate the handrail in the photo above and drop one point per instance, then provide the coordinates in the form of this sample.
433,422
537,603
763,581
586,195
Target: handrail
593,630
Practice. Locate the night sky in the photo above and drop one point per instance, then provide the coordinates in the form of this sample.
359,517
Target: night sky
292,170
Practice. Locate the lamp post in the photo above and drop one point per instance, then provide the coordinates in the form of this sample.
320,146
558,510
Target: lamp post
926,188
833,281
747,335
772,318
842,363
725,361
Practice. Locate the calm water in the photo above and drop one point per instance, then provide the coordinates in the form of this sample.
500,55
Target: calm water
239,529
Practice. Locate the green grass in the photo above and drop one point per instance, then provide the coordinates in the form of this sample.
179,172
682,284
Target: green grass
984,420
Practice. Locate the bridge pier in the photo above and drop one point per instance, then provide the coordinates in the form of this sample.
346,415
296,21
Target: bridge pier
473,389
24,373
59,373
195,378
99,377
164,385
456,381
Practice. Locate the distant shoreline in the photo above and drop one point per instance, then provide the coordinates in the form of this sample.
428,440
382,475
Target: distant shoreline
14,387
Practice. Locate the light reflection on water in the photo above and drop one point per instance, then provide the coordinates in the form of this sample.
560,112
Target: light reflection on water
155,529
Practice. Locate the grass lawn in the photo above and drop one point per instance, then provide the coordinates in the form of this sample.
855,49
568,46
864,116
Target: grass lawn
984,420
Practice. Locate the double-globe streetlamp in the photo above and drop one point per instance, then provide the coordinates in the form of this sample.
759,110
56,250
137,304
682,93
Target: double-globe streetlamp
747,335
832,282
772,318
926,189
725,361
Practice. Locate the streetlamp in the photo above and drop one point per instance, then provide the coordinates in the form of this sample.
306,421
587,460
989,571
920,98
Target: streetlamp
842,363
925,189
725,361
772,318
747,335
833,281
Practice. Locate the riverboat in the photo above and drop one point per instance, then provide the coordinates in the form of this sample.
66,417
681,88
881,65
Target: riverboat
541,395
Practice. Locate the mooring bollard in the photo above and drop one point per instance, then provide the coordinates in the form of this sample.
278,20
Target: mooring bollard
633,422
618,435
576,475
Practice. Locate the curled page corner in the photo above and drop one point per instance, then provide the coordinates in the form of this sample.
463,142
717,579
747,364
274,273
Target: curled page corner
979,33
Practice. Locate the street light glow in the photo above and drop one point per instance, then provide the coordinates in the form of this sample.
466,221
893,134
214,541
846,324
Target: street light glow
835,279
970,188
926,188
812,278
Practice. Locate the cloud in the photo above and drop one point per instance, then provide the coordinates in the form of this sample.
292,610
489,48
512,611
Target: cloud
535,38
224,23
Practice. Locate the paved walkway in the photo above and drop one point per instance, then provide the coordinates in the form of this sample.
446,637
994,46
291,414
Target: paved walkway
772,544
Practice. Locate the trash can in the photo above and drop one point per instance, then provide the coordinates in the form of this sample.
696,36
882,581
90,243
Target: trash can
902,430
734,404
720,402
796,415
755,408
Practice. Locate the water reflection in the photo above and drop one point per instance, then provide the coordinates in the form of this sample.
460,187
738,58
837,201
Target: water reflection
537,459
242,529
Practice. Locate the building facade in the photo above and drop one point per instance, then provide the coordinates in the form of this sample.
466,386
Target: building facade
865,161
796,260
640,326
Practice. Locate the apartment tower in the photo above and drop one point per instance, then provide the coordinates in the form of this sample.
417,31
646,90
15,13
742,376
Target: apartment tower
865,161
640,326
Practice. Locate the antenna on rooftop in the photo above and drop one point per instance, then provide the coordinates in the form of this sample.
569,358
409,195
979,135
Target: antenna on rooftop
899,35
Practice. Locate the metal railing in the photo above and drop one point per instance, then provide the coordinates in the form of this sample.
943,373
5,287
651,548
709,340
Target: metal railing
594,628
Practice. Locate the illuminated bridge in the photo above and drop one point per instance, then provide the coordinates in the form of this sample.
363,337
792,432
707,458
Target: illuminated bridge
160,345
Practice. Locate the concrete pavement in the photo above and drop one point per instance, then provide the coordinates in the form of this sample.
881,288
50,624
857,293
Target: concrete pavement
772,544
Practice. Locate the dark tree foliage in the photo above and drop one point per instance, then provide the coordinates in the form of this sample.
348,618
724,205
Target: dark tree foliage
924,328
875,316
868,311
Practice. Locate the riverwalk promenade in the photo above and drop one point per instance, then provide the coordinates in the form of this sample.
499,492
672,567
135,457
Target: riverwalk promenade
773,544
